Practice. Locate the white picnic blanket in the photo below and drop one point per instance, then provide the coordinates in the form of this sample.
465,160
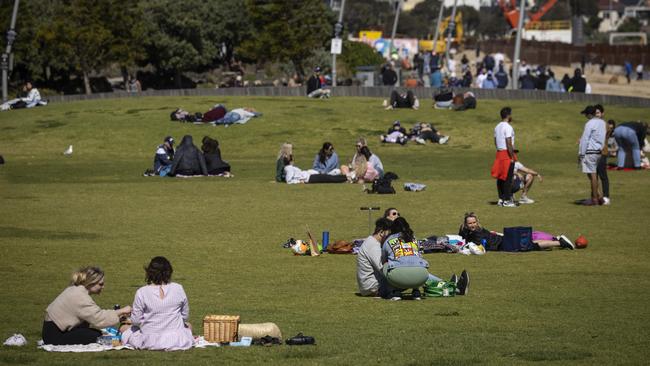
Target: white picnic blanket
199,342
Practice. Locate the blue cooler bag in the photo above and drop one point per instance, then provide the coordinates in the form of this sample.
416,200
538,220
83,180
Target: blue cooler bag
517,239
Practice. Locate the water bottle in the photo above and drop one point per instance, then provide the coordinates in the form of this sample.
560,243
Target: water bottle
484,243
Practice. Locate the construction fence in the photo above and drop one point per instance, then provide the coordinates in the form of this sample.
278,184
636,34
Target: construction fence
554,53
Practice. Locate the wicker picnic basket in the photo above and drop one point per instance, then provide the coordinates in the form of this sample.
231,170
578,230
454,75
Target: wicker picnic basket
220,328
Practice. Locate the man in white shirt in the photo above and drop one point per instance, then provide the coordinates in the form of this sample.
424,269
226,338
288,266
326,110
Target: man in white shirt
504,162
591,145
369,266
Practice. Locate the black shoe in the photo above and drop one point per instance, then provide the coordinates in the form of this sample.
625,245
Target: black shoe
416,294
289,243
463,284
454,279
565,242
300,339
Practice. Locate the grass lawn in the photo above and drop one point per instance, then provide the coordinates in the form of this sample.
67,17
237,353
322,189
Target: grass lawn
224,236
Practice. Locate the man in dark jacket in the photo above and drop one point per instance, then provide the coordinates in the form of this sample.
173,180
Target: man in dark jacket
502,77
389,76
188,160
578,83
315,87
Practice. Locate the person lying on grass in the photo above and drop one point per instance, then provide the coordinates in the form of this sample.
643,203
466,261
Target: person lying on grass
404,267
472,231
73,317
160,312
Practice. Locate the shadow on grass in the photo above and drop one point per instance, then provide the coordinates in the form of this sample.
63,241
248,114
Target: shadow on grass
550,355
14,232
16,359
49,123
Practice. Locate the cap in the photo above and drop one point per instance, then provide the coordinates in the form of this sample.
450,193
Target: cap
169,139
590,109
317,69
396,123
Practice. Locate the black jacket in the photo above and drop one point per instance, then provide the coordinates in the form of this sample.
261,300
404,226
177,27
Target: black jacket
492,241
215,164
188,160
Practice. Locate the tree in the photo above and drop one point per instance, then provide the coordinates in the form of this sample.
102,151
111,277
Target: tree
368,15
192,34
287,30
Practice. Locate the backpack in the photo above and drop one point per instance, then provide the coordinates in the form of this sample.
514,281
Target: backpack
340,247
382,186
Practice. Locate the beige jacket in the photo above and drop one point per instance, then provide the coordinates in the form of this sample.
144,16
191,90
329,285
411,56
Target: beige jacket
74,306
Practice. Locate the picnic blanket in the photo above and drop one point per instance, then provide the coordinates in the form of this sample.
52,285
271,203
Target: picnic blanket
199,342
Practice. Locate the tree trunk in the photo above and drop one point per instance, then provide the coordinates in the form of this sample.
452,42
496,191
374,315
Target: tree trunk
87,83
125,76
177,79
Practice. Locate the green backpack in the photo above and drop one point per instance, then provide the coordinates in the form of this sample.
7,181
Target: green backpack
439,289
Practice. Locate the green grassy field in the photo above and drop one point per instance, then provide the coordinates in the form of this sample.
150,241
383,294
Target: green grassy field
224,236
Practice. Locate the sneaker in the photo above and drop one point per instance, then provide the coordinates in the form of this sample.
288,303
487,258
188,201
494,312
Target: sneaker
389,107
443,140
526,200
500,202
509,203
606,201
416,295
565,242
396,298
454,279
420,141
463,284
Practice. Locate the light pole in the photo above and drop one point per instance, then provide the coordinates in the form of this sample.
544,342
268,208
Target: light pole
338,28
4,60
392,35
451,26
437,32
515,59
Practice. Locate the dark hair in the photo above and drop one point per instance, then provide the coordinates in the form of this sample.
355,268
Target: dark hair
209,145
365,151
600,108
388,210
505,112
322,154
159,271
382,224
401,226
612,122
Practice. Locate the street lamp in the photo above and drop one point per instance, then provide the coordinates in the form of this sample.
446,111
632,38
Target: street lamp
4,59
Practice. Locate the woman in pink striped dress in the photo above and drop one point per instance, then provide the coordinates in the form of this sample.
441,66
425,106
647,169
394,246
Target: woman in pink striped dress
160,312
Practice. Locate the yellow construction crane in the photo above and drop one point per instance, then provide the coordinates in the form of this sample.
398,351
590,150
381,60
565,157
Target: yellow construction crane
441,42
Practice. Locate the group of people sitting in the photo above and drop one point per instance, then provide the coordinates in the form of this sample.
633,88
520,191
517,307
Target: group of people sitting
363,167
443,98
188,160
157,319
420,133
390,260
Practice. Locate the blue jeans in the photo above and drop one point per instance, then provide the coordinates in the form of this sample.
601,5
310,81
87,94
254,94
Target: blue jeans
436,79
627,140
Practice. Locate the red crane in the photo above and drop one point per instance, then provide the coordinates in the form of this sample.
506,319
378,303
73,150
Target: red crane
511,12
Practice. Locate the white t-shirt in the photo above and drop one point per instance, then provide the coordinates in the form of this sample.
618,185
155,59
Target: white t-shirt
518,167
502,131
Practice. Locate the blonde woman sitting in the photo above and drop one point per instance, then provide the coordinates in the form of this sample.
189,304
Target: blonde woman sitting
73,317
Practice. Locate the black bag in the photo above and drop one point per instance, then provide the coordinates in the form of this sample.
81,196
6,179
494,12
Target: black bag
382,186
517,239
